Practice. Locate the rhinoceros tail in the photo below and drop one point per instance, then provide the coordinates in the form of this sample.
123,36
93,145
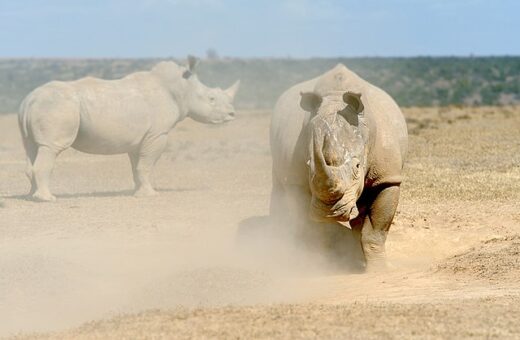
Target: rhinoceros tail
22,119
29,145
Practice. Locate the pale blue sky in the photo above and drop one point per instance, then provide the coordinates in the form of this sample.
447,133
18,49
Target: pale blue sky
270,28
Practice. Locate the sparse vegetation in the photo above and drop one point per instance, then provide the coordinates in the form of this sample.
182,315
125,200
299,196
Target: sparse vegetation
454,243
463,153
421,81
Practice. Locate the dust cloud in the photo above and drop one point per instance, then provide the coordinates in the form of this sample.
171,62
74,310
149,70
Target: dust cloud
50,283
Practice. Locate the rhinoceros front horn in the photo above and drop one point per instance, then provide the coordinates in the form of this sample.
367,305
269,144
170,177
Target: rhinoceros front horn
233,89
322,173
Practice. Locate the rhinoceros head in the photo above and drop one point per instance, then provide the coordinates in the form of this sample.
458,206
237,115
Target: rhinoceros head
337,152
205,104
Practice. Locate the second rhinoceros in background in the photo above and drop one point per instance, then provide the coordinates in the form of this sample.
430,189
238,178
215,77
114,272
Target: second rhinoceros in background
338,145
130,115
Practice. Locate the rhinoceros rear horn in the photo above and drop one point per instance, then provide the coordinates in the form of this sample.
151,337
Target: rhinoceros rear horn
310,101
354,101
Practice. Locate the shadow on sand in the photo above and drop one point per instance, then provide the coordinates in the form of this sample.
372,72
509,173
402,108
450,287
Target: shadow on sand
114,193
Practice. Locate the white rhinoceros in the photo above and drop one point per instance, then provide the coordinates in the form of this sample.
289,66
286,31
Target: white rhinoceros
338,145
129,115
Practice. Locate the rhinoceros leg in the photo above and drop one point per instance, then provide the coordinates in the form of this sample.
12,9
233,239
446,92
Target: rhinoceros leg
31,150
149,153
376,214
134,159
42,169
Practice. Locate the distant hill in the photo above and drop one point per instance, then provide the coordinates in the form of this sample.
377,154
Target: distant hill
421,81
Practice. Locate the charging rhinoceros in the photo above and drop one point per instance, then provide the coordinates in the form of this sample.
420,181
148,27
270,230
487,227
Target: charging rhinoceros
129,115
338,145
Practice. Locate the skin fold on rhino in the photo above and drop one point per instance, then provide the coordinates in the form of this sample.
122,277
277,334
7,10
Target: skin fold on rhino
130,115
338,145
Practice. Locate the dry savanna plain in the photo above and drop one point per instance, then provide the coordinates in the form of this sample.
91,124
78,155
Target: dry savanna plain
100,263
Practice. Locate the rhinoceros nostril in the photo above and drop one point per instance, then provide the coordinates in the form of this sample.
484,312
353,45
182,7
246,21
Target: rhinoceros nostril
231,114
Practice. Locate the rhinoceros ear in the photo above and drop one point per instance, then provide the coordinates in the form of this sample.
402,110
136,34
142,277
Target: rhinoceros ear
354,101
192,63
310,101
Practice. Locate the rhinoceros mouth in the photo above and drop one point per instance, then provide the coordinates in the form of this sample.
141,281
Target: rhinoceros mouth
340,211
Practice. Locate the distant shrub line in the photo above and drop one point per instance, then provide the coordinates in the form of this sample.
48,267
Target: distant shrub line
421,81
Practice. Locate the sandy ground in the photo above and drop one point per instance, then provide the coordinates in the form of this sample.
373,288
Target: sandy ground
100,263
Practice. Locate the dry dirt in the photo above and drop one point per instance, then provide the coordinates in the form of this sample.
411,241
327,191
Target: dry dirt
99,263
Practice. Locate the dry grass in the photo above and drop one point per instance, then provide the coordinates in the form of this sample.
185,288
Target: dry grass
495,260
468,154
473,318
99,250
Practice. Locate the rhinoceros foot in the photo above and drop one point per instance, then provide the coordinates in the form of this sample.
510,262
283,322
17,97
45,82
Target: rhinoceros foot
145,192
377,263
43,197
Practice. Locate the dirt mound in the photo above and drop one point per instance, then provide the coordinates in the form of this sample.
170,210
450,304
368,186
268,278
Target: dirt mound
497,259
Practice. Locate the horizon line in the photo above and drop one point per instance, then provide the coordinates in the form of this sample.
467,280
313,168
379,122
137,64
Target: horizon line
440,56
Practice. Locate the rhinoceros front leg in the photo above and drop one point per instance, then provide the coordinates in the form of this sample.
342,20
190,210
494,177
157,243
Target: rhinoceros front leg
143,162
374,222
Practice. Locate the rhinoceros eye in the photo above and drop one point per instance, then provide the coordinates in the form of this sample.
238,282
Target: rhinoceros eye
356,167
212,100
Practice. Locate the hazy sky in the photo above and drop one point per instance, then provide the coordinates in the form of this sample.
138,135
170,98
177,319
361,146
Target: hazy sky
278,28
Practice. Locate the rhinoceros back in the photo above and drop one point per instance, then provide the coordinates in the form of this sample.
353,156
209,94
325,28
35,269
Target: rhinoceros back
98,116
116,115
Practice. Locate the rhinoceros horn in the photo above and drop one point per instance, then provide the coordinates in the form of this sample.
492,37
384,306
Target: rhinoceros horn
322,174
232,90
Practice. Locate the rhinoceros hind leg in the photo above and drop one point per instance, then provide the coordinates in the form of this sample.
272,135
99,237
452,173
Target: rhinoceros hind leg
142,164
31,150
41,173
376,224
